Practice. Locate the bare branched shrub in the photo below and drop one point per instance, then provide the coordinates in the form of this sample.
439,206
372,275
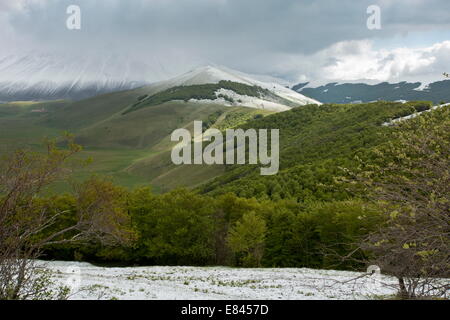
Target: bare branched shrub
410,182
27,227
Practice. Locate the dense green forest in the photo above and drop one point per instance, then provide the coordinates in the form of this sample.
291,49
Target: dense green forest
184,228
306,216
315,143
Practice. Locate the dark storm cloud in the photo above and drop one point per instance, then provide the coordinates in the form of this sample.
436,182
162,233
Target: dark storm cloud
252,35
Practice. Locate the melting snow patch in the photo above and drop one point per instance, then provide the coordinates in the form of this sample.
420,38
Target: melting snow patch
411,116
213,283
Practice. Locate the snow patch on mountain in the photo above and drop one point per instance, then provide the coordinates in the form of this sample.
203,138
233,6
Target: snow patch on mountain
414,115
423,86
326,82
243,100
215,74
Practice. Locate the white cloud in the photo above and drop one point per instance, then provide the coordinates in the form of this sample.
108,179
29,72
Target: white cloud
297,40
388,65
14,5
7,5
359,60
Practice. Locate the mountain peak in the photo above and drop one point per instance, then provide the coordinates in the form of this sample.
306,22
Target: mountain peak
211,74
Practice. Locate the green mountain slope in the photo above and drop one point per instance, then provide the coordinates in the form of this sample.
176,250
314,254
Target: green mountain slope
127,134
132,147
315,143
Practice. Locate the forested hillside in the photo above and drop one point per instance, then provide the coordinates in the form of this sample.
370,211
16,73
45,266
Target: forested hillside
306,216
315,142
345,178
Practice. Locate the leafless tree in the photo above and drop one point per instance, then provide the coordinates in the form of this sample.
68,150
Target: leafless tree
26,226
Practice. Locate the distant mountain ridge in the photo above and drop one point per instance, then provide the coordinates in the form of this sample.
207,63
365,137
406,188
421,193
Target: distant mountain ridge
45,91
49,77
362,92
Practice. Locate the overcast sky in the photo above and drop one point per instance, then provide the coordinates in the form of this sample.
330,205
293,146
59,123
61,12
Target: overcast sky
297,40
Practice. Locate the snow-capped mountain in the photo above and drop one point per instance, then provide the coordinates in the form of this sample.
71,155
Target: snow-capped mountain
50,77
280,98
40,76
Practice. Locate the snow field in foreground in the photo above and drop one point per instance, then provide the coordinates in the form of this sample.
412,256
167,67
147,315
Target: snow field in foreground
210,283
